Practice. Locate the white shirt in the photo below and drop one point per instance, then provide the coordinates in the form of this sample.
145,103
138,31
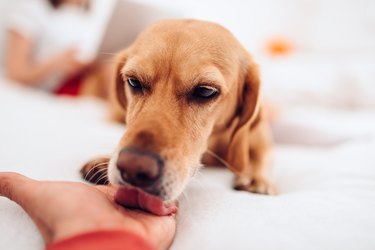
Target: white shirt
51,30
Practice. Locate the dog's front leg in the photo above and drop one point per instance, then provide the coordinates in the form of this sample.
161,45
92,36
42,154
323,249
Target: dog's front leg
249,157
96,171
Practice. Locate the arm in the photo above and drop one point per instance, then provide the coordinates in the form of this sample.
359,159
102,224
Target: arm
21,67
19,64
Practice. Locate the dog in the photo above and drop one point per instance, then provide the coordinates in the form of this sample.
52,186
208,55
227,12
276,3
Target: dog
190,94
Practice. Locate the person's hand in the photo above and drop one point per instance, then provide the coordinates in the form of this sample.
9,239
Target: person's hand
67,63
64,209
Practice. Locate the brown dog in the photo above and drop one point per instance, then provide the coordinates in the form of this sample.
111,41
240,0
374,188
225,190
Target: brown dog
187,87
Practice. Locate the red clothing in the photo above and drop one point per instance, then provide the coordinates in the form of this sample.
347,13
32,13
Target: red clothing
102,240
71,86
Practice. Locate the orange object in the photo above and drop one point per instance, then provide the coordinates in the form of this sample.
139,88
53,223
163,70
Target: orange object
279,47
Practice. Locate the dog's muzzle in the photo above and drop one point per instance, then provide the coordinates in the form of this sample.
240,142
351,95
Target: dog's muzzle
140,168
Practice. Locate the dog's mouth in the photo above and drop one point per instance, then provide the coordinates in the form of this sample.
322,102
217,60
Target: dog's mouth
132,197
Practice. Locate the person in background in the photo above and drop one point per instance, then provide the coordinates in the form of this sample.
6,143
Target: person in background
43,45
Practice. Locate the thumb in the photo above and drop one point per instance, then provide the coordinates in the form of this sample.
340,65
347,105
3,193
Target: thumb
24,192
16,187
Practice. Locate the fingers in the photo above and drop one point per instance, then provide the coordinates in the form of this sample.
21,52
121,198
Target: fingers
12,185
108,190
20,189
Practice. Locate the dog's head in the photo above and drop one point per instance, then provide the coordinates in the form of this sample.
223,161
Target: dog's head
180,80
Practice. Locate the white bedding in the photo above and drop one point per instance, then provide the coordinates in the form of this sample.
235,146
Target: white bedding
327,194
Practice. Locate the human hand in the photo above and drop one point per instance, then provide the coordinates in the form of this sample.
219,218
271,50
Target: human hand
67,62
65,209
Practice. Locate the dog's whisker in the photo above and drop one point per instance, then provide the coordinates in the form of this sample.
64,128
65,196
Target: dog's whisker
201,186
94,173
100,164
99,173
224,162
195,178
103,177
96,167
88,173
186,200
202,175
185,197
92,177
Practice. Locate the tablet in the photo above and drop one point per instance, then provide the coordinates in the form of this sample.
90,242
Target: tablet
127,20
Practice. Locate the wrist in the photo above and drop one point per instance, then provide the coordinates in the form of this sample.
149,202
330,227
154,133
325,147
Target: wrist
102,239
74,227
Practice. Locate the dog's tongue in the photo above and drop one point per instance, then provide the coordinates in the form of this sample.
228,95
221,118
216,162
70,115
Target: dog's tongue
131,197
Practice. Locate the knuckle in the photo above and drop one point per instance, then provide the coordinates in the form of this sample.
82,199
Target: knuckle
6,187
7,182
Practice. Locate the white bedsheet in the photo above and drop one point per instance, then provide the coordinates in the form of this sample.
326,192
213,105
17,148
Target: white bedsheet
327,194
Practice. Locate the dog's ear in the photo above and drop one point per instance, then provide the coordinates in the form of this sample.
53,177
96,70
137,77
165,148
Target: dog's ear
119,80
117,98
246,114
248,94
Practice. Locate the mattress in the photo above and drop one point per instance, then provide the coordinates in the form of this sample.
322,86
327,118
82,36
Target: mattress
326,190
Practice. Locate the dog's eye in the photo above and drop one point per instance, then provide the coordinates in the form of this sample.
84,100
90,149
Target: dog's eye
134,83
205,92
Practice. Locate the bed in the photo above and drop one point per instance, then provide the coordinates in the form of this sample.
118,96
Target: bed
326,185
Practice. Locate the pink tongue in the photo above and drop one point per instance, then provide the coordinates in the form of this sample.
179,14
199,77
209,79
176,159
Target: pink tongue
131,197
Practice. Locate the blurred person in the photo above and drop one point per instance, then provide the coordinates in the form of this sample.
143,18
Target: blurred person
43,45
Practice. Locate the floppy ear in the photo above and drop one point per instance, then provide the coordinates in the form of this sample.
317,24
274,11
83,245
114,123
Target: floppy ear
119,81
118,101
247,112
248,95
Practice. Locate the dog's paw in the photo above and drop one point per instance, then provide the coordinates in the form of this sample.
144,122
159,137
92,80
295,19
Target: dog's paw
95,171
254,185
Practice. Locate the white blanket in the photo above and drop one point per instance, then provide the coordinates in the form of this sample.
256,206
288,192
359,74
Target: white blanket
326,200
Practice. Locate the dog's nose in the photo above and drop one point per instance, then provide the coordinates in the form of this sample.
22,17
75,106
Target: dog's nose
139,167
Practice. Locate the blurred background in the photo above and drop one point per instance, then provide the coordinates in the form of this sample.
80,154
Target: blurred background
319,26
322,49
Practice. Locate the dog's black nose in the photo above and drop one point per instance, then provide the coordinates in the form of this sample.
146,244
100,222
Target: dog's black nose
140,168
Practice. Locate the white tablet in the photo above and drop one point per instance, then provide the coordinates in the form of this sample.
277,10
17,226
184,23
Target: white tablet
127,20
